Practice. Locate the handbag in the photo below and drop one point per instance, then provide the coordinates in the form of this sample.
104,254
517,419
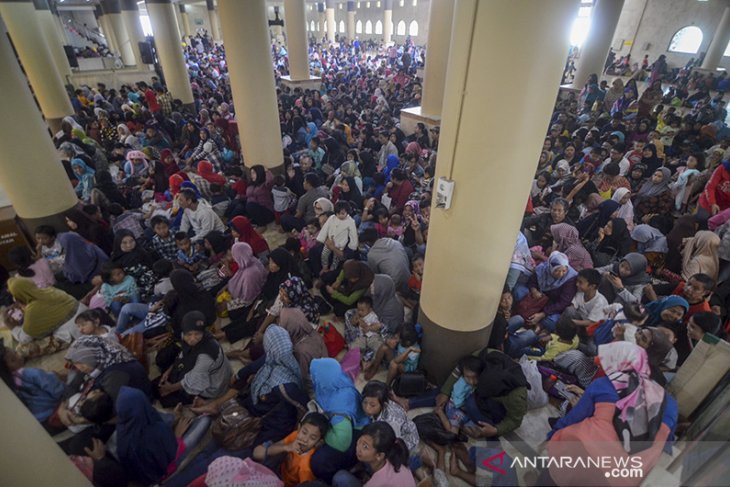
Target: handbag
134,342
154,320
409,384
530,305
430,428
333,339
235,428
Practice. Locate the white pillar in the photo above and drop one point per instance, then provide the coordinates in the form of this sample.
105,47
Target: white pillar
169,49
387,21
296,39
246,37
185,21
49,26
351,20
719,43
456,318
331,24
440,20
130,14
102,20
113,10
213,19
594,50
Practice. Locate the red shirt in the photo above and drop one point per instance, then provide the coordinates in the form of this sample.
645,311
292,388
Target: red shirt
151,99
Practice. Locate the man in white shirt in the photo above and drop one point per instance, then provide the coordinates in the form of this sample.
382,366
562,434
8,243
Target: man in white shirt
617,155
198,215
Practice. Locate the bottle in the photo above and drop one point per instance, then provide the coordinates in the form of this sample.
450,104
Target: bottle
548,382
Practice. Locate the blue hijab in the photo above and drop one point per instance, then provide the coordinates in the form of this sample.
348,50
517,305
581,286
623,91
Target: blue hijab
83,259
86,179
391,163
191,185
545,279
655,308
335,392
146,445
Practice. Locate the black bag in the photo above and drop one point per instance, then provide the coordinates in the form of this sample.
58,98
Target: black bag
430,429
409,384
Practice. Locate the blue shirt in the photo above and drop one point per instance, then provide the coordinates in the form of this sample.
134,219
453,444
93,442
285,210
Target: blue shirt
411,363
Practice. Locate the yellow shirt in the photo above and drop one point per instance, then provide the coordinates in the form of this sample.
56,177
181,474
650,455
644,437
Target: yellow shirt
555,348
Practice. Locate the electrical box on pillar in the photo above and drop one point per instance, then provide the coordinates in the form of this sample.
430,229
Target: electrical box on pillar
444,193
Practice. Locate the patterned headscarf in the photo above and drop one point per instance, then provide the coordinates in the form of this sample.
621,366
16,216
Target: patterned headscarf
234,472
280,367
299,297
97,352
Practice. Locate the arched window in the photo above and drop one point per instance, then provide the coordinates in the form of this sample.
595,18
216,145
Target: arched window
687,39
727,50
342,26
368,27
413,29
358,27
319,26
312,27
378,27
401,28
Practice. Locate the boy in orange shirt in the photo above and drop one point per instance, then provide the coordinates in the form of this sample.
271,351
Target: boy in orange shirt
299,447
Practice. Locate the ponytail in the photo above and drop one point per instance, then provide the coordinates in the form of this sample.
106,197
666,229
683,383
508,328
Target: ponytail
398,454
385,441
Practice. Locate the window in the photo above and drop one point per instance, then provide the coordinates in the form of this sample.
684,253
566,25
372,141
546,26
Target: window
342,27
415,3
413,29
312,27
368,27
401,3
146,26
377,4
378,27
358,5
358,27
727,50
687,39
581,26
319,26
340,6
401,28
367,4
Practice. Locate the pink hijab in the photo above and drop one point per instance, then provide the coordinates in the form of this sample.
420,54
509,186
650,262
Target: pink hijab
247,282
234,472
567,240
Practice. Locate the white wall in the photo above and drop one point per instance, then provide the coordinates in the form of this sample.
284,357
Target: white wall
647,27
199,18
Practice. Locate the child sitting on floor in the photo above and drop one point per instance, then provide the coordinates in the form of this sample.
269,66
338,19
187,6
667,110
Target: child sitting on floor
452,414
406,355
49,248
362,329
117,288
550,346
589,304
340,228
96,322
376,404
308,236
162,269
299,447
188,256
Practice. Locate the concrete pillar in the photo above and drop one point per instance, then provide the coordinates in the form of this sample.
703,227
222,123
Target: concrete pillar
719,42
62,34
104,24
31,173
351,19
215,31
296,39
331,24
22,23
169,50
322,20
113,10
440,20
456,318
594,50
130,13
49,26
246,37
387,21
185,20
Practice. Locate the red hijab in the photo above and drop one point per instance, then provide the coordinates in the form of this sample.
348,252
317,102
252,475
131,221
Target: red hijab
205,170
170,167
247,234
175,182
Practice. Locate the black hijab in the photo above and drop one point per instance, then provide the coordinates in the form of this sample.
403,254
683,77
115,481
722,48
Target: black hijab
287,268
619,242
186,297
500,377
137,256
653,162
218,241
353,196
105,184
208,345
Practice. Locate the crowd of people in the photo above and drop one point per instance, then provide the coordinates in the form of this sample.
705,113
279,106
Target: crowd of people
620,268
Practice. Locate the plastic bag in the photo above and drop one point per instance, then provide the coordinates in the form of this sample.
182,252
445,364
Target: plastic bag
536,396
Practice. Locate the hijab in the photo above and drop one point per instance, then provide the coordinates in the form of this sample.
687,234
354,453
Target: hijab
136,256
300,297
353,196
386,303
83,259
588,226
501,376
98,352
684,227
186,297
652,162
287,268
358,275
247,282
45,309
638,264
248,234
619,242
205,170
335,392
650,189
176,181
146,445
649,239
701,255
544,272
522,257
641,400
323,203
168,168
567,240
391,163
626,211
233,472
655,308
280,366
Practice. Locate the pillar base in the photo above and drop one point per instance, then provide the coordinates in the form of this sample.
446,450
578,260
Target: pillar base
313,83
409,117
443,348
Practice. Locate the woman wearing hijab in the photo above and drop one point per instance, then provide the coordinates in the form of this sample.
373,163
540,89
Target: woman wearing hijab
89,229
186,297
613,242
350,192
308,343
567,240
701,254
46,312
201,368
109,192
282,266
85,176
259,200
248,281
613,93
553,282
655,196
386,304
243,231
624,413
169,164
205,170
337,396
624,281
622,196
350,284
561,175
589,226
83,260
135,261
127,138
650,159
652,243
668,311
684,228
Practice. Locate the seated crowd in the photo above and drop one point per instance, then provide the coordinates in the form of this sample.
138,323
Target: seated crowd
620,269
